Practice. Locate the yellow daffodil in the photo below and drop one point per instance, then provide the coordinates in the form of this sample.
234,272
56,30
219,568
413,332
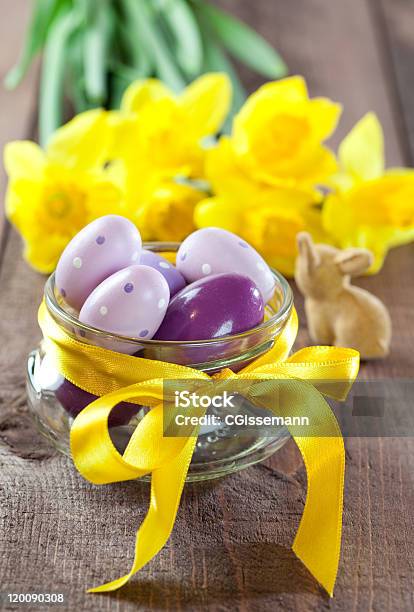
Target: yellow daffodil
264,177
278,134
52,194
266,214
271,228
228,177
158,136
162,132
168,213
370,207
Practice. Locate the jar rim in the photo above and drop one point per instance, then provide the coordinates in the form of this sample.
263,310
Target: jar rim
279,318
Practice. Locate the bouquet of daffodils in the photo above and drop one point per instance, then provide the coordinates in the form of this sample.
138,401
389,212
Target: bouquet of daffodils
159,161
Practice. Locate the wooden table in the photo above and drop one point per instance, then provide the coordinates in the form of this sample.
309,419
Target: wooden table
230,549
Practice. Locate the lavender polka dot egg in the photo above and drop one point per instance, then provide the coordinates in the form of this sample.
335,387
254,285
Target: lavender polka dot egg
212,250
174,278
101,248
132,302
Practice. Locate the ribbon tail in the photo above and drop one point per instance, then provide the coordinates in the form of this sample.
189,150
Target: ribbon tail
167,484
318,540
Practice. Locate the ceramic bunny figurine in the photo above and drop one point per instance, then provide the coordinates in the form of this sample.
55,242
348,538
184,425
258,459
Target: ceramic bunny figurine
338,313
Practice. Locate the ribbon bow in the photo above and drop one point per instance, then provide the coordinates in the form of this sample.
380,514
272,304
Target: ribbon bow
115,377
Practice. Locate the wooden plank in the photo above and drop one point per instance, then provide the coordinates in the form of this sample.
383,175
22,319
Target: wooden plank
17,107
395,19
335,46
230,547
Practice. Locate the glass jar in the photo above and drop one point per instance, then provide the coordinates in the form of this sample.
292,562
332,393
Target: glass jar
54,401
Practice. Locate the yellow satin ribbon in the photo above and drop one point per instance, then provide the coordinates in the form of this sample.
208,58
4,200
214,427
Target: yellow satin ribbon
115,377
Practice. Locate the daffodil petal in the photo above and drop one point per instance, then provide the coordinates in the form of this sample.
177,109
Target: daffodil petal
361,153
351,220
223,172
123,128
168,214
103,198
324,116
83,142
292,89
21,198
328,213
218,212
141,93
322,165
23,158
261,107
206,103
42,252
272,231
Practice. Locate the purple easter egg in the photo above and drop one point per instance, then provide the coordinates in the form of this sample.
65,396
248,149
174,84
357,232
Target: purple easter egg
212,307
74,400
131,302
174,278
212,250
101,248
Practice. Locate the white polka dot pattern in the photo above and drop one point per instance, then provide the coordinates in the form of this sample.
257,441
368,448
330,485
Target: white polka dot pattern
212,250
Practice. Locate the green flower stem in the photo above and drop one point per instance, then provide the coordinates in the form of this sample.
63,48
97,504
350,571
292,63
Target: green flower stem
53,74
215,59
143,17
141,60
93,49
44,12
96,44
242,42
187,37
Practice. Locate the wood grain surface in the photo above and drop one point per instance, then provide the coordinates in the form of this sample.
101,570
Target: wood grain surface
230,548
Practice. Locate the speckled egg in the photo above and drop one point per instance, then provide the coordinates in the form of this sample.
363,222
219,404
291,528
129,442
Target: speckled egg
174,278
131,302
101,248
212,307
212,250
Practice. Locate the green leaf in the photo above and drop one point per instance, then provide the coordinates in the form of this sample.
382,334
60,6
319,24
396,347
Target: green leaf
128,73
98,34
44,11
215,60
76,75
53,74
243,42
143,16
138,55
187,38
118,86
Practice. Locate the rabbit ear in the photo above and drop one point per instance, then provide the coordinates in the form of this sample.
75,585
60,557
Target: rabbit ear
307,250
354,261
